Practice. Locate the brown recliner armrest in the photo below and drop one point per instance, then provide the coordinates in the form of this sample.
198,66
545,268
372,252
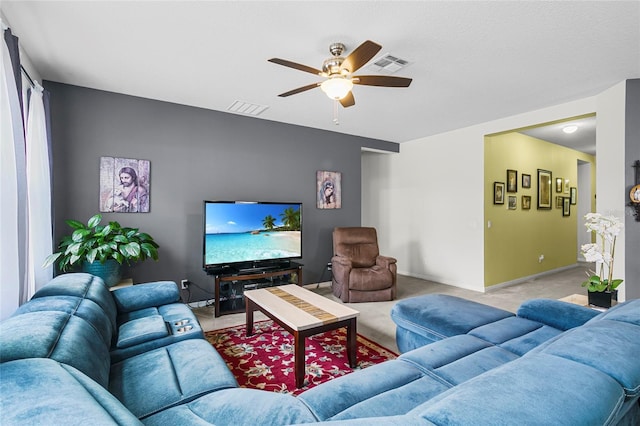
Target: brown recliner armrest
385,261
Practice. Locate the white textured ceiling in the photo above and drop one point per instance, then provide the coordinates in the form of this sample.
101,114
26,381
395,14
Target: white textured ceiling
471,62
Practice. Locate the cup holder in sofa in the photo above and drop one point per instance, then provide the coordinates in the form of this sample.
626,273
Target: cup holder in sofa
185,328
181,322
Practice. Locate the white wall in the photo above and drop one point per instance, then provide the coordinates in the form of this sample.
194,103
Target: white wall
428,205
611,195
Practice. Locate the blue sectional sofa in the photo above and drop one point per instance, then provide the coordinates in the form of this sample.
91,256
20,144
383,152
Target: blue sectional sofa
80,354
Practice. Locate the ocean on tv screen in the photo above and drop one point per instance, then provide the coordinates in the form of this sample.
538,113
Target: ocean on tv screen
251,232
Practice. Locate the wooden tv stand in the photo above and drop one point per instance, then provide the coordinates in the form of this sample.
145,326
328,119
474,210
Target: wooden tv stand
230,287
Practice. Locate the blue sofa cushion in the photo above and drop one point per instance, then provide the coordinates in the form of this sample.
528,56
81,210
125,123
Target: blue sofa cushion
83,308
527,391
437,316
156,380
140,296
609,349
392,387
151,328
458,358
141,330
236,407
59,336
81,285
44,392
555,313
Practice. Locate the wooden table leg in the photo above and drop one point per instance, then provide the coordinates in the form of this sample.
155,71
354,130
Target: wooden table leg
352,343
250,306
298,360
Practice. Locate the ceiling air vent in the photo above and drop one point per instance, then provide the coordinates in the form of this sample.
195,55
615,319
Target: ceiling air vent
388,64
241,107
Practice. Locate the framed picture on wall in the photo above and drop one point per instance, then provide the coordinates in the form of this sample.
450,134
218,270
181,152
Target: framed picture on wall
559,185
566,206
513,202
124,185
566,186
526,202
526,180
498,192
559,201
328,190
573,195
544,189
512,181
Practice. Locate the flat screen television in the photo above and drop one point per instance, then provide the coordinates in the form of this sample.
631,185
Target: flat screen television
245,235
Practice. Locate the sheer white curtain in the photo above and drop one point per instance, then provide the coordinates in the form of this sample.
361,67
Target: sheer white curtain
38,194
11,196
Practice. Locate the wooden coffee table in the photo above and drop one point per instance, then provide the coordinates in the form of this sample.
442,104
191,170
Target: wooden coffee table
302,313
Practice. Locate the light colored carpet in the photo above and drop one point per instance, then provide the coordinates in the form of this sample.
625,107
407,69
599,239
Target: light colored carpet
375,322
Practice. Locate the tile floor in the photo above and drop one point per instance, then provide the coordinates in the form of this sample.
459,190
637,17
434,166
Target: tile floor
375,322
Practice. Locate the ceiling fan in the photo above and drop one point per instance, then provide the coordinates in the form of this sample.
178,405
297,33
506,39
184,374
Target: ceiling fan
338,72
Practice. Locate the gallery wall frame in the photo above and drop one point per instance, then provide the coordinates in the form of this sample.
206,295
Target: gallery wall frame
513,202
526,202
526,180
559,201
512,180
566,206
498,192
559,185
573,195
544,189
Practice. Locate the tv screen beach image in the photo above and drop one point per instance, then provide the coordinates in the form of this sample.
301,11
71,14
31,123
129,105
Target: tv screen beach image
239,232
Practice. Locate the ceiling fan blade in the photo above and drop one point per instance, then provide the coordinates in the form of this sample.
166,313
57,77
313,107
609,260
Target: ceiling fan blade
299,90
381,80
360,56
294,65
348,100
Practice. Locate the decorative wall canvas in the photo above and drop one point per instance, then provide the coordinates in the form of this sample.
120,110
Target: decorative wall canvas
544,189
124,185
328,190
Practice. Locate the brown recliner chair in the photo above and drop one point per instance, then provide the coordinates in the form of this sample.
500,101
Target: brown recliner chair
360,274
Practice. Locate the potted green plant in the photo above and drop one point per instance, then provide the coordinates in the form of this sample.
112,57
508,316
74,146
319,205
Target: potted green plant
102,249
601,285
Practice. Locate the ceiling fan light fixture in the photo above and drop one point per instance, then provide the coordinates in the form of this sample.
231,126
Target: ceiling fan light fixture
337,87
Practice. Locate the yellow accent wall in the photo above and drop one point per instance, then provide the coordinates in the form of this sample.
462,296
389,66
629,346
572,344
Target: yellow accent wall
516,238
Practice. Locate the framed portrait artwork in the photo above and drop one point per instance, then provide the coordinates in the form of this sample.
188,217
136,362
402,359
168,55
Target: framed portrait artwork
526,202
498,192
559,185
328,190
513,202
566,186
573,195
124,185
566,206
526,180
544,189
512,181
559,201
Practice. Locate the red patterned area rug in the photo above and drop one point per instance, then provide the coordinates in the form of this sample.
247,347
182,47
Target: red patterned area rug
265,360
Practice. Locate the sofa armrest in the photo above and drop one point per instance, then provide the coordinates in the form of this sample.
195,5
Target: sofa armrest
385,261
146,295
556,313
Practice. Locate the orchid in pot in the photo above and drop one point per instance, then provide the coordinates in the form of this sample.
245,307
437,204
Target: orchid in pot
601,252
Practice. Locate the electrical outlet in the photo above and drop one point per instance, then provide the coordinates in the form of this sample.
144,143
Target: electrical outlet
329,266
184,284
540,258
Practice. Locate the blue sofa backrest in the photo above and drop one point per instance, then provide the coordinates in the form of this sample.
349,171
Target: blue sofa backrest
61,336
84,286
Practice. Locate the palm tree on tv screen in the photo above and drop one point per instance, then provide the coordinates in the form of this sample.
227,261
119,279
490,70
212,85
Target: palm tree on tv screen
291,219
269,222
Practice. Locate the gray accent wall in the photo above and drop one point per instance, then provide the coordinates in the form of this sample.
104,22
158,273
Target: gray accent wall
197,155
632,154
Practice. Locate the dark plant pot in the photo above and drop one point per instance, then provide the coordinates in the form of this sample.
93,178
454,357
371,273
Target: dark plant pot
110,271
602,299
